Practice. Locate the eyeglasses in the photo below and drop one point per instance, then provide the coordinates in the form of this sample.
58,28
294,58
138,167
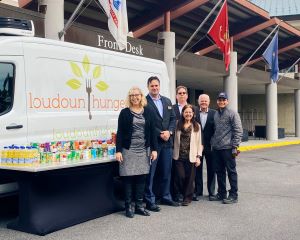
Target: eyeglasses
134,95
181,93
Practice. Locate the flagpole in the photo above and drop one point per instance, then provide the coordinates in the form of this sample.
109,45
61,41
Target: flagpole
244,65
197,30
288,70
63,32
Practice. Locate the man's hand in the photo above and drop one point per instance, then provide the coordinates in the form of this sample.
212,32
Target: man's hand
235,152
165,135
153,156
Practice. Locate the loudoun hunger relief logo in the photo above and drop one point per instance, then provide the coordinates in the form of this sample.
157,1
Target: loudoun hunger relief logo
86,75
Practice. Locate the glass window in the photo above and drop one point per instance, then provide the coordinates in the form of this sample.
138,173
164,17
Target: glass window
6,87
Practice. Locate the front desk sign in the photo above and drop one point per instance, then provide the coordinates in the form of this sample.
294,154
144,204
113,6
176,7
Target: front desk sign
111,45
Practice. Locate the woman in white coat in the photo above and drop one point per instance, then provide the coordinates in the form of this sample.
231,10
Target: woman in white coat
187,152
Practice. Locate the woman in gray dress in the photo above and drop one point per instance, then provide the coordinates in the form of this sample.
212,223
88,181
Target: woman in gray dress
136,147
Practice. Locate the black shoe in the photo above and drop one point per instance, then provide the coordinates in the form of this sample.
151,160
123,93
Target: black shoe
230,200
177,198
129,213
152,207
196,197
185,203
216,197
142,211
170,203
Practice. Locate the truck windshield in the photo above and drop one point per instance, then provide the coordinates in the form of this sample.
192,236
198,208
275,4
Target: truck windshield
6,87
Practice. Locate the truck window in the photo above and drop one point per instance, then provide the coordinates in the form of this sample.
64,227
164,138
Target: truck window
6,87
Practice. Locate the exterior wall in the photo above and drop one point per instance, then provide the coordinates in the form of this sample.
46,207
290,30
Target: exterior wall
253,112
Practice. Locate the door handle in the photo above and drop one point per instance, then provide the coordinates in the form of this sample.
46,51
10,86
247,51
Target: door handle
14,127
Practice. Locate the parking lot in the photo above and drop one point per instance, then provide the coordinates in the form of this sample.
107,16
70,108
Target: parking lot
268,208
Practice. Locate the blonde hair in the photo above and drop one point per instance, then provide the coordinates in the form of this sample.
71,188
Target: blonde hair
143,102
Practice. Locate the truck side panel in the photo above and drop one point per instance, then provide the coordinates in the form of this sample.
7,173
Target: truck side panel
78,94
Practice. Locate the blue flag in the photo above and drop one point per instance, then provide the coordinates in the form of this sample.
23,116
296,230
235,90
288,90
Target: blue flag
271,57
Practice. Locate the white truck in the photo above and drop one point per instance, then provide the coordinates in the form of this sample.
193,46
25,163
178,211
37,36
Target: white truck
58,91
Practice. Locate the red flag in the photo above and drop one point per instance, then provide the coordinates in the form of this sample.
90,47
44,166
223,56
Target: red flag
219,32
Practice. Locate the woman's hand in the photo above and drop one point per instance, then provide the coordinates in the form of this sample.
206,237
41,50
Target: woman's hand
198,162
153,155
119,157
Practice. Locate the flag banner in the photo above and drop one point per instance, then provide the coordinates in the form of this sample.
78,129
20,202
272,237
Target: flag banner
271,57
116,10
219,32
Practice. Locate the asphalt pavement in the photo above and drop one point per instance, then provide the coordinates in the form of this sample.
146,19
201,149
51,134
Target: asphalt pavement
268,209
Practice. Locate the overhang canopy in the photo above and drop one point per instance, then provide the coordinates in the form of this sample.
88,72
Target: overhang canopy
248,25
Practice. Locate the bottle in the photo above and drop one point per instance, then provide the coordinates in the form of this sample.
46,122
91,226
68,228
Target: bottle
111,149
22,155
15,155
36,155
9,155
4,155
27,156
104,149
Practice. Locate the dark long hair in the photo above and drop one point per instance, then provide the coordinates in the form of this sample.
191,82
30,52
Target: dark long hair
180,124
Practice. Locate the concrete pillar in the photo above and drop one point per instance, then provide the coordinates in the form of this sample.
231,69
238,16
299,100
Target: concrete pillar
271,111
297,112
169,58
54,17
231,83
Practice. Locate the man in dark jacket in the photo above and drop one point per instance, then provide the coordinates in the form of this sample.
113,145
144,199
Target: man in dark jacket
181,97
205,117
165,121
225,141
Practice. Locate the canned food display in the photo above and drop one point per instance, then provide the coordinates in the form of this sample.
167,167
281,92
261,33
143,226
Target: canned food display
58,152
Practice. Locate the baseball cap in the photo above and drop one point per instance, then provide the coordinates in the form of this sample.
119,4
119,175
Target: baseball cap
222,95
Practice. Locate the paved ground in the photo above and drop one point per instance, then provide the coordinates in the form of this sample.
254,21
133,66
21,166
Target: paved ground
268,208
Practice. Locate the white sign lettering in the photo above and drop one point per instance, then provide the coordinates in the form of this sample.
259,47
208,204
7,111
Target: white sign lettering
103,43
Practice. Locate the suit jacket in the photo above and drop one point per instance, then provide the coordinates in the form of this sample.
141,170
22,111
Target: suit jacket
195,145
209,128
165,123
177,112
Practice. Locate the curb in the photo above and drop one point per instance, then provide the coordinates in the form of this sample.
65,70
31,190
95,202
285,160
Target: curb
268,145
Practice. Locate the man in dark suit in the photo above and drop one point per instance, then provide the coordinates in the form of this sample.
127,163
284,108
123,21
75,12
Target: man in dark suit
165,122
181,96
206,119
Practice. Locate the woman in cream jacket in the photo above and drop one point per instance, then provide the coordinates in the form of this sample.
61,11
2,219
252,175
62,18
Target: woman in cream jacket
187,153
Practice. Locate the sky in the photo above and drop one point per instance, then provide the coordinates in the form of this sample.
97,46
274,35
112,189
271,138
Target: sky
279,7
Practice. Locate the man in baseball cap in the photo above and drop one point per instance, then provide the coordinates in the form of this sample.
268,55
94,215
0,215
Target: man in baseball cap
222,95
225,141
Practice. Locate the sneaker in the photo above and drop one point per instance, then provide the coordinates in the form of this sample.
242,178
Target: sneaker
216,197
230,200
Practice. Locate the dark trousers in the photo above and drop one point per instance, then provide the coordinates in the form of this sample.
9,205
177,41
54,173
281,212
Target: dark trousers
184,179
211,174
224,161
161,169
134,184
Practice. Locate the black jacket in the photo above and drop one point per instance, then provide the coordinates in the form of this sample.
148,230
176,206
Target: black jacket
165,123
177,112
209,129
125,129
